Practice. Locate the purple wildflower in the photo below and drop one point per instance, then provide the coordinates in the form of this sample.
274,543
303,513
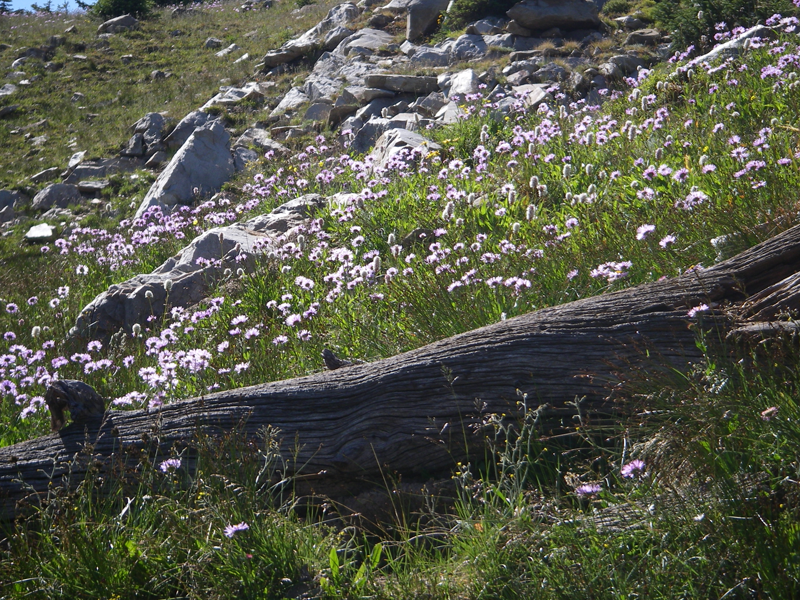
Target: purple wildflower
231,530
632,469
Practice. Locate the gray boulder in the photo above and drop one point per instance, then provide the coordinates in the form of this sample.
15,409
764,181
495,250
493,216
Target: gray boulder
59,195
646,37
134,147
294,99
488,26
13,199
230,95
627,64
39,234
7,89
463,83
242,156
400,144
235,246
101,168
430,57
152,127
403,83
468,47
735,46
365,42
564,14
213,43
629,22
118,25
199,168
186,127
46,175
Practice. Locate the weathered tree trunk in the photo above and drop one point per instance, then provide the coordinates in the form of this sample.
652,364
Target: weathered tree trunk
419,413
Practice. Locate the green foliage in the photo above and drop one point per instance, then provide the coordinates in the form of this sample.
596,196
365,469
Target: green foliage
616,7
115,8
692,21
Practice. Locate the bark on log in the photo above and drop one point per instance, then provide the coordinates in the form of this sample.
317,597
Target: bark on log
417,413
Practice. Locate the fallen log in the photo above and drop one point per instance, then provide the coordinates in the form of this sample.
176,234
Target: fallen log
418,413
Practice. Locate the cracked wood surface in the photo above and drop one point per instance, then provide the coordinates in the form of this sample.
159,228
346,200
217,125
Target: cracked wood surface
420,412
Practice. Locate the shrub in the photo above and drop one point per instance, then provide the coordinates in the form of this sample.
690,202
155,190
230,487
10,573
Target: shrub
114,8
693,21
616,7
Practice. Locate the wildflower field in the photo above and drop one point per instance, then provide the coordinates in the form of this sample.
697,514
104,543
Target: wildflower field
693,495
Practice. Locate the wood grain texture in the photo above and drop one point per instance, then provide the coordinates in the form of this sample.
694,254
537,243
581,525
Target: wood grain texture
420,412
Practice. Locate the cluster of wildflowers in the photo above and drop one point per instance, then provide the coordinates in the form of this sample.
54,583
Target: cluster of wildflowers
494,223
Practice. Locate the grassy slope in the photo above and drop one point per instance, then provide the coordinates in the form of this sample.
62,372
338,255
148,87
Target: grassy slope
720,474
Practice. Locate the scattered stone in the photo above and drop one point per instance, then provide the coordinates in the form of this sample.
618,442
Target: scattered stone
118,25
212,43
565,14
7,89
71,29
488,26
158,74
199,168
52,67
80,57
629,22
627,64
242,156
7,110
39,234
77,97
126,59
242,58
226,51
430,57
515,28
46,175
60,195
7,215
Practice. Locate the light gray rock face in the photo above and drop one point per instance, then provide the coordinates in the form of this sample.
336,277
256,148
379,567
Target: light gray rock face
38,234
118,25
429,57
365,42
647,37
7,214
226,51
463,83
422,15
235,246
59,195
293,100
186,127
232,95
468,47
564,14
315,38
368,134
199,168
135,146
7,89
46,175
102,168
400,145
735,46
403,83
